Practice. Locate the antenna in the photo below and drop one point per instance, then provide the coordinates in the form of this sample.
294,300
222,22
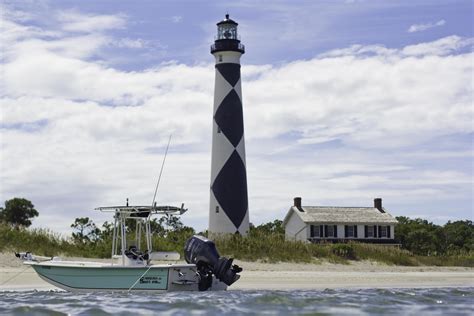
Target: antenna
161,171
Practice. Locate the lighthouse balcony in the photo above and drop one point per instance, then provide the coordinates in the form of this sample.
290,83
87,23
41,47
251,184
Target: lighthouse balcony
227,45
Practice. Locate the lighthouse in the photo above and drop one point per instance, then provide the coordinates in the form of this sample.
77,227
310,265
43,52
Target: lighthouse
228,211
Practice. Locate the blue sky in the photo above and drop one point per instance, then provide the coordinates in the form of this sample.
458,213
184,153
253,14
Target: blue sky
344,101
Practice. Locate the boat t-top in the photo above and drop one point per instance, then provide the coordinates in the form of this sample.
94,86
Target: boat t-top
136,268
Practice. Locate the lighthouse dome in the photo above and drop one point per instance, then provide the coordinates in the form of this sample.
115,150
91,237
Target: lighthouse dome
227,20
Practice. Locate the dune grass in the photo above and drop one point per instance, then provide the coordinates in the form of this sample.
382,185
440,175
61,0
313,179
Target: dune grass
274,248
266,247
40,241
45,242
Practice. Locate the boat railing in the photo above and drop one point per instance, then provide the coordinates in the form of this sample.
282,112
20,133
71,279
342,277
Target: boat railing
157,209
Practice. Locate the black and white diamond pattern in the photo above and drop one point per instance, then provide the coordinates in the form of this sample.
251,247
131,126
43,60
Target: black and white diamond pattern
230,71
229,118
230,189
229,176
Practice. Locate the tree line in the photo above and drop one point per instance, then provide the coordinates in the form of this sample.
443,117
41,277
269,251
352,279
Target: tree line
425,238
85,231
419,236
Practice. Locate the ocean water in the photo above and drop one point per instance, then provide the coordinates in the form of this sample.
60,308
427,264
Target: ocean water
427,301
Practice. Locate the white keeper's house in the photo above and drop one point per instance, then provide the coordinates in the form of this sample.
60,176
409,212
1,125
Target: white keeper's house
340,224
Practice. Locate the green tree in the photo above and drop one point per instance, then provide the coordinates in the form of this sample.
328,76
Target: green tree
171,222
18,212
275,227
107,230
166,224
420,236
179,236
459,236
157,227
85,230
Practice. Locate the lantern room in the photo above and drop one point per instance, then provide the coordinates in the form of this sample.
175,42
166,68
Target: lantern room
227,38
227,29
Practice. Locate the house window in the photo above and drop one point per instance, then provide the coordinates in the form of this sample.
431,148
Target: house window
370,231
330,231
315,231
350,231
383,231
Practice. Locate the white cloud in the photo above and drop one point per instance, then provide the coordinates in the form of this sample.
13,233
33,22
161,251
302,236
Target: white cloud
360,50
443,46
103,130
78,22
423,27
363,100
176,18
12,31
131,43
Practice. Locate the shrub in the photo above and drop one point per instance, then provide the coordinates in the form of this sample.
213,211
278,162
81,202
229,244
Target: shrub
345,251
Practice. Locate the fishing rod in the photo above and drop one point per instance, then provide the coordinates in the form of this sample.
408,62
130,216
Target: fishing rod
161,172
147,222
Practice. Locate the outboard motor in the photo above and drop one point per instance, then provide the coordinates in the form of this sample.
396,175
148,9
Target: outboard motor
203,253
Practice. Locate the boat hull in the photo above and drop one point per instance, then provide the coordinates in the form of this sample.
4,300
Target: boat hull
94,277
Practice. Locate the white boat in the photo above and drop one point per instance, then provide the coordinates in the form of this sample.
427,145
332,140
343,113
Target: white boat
132,269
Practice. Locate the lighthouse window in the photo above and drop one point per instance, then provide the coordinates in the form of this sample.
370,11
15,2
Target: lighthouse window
220,57
217,209
227,31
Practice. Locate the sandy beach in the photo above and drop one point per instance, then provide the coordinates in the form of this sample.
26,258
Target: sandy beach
286,276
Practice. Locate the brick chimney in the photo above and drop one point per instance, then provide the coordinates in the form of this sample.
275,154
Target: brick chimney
378,204
297,203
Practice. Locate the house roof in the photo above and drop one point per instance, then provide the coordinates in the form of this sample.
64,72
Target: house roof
336,214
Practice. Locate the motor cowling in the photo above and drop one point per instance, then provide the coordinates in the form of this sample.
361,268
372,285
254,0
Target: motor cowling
203,253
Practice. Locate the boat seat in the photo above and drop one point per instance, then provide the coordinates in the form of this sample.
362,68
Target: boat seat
135,254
